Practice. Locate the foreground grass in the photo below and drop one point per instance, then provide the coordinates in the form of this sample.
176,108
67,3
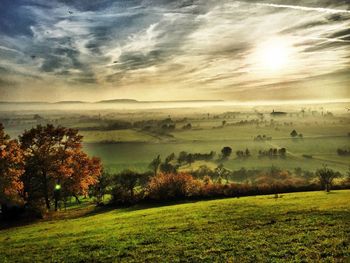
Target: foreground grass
297,227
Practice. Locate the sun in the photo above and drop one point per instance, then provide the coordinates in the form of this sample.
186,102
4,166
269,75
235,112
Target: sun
272,55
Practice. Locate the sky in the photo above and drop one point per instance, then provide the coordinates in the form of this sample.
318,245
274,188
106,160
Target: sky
174,50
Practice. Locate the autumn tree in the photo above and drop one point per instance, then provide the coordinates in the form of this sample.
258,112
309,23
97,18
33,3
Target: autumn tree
11,169
172,186
54,160
84,172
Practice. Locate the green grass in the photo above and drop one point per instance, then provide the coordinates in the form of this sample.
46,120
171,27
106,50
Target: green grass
136,148
301,227
321,139
116,136
138,155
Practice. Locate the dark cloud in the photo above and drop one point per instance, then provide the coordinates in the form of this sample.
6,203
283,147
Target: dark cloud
343,34
87,5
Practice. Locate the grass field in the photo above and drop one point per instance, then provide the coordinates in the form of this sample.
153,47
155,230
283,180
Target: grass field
300,227
138,155
116,136
135,146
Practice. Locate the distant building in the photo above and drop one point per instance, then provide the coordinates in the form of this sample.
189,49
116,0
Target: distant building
278,113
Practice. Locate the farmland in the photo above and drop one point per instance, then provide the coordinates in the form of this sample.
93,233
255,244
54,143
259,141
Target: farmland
128,137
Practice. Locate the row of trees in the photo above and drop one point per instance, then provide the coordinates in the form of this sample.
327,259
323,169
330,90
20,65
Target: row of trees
46,164
130,187
273,152
173,162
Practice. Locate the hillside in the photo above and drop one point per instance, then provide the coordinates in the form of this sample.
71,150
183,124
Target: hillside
303,226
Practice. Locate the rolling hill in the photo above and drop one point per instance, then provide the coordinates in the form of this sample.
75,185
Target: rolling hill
309,227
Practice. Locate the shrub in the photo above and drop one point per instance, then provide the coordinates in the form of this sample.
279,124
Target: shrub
124,184
172,186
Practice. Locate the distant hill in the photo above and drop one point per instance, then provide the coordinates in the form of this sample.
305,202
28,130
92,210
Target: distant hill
23,102
108,101
118,101
155,101
69,102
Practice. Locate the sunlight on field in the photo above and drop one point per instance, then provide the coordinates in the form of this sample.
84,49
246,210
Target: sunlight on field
303,226
324,128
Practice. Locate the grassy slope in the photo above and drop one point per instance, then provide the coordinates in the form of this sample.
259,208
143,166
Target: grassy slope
303,226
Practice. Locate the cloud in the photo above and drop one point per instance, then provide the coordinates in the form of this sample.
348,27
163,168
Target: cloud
161,47
305,8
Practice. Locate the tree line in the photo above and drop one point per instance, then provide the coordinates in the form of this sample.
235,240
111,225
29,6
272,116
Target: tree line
46,166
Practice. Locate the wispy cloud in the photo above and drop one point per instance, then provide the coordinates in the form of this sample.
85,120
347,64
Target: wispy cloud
152,49
305,8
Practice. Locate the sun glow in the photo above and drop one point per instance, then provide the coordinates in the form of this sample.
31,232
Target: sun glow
272,55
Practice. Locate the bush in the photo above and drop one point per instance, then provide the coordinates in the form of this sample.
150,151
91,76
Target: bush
164,187
123,189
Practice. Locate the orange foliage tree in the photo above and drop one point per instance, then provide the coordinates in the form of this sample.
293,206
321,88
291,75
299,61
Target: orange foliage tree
54,157
173,186
11,169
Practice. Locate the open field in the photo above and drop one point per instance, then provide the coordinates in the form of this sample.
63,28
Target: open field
138,155
308,227
132,137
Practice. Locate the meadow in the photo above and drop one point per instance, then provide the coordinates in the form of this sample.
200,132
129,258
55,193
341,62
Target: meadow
298,227
324,128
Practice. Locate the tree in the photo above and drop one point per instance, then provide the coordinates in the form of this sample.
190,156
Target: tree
294,133
85,172
282,152
100,189
182,157
348,176
154,165
170,157
222,172
168,166
326,177
172,186
55,161
226,152
190,159
11,169
127,180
